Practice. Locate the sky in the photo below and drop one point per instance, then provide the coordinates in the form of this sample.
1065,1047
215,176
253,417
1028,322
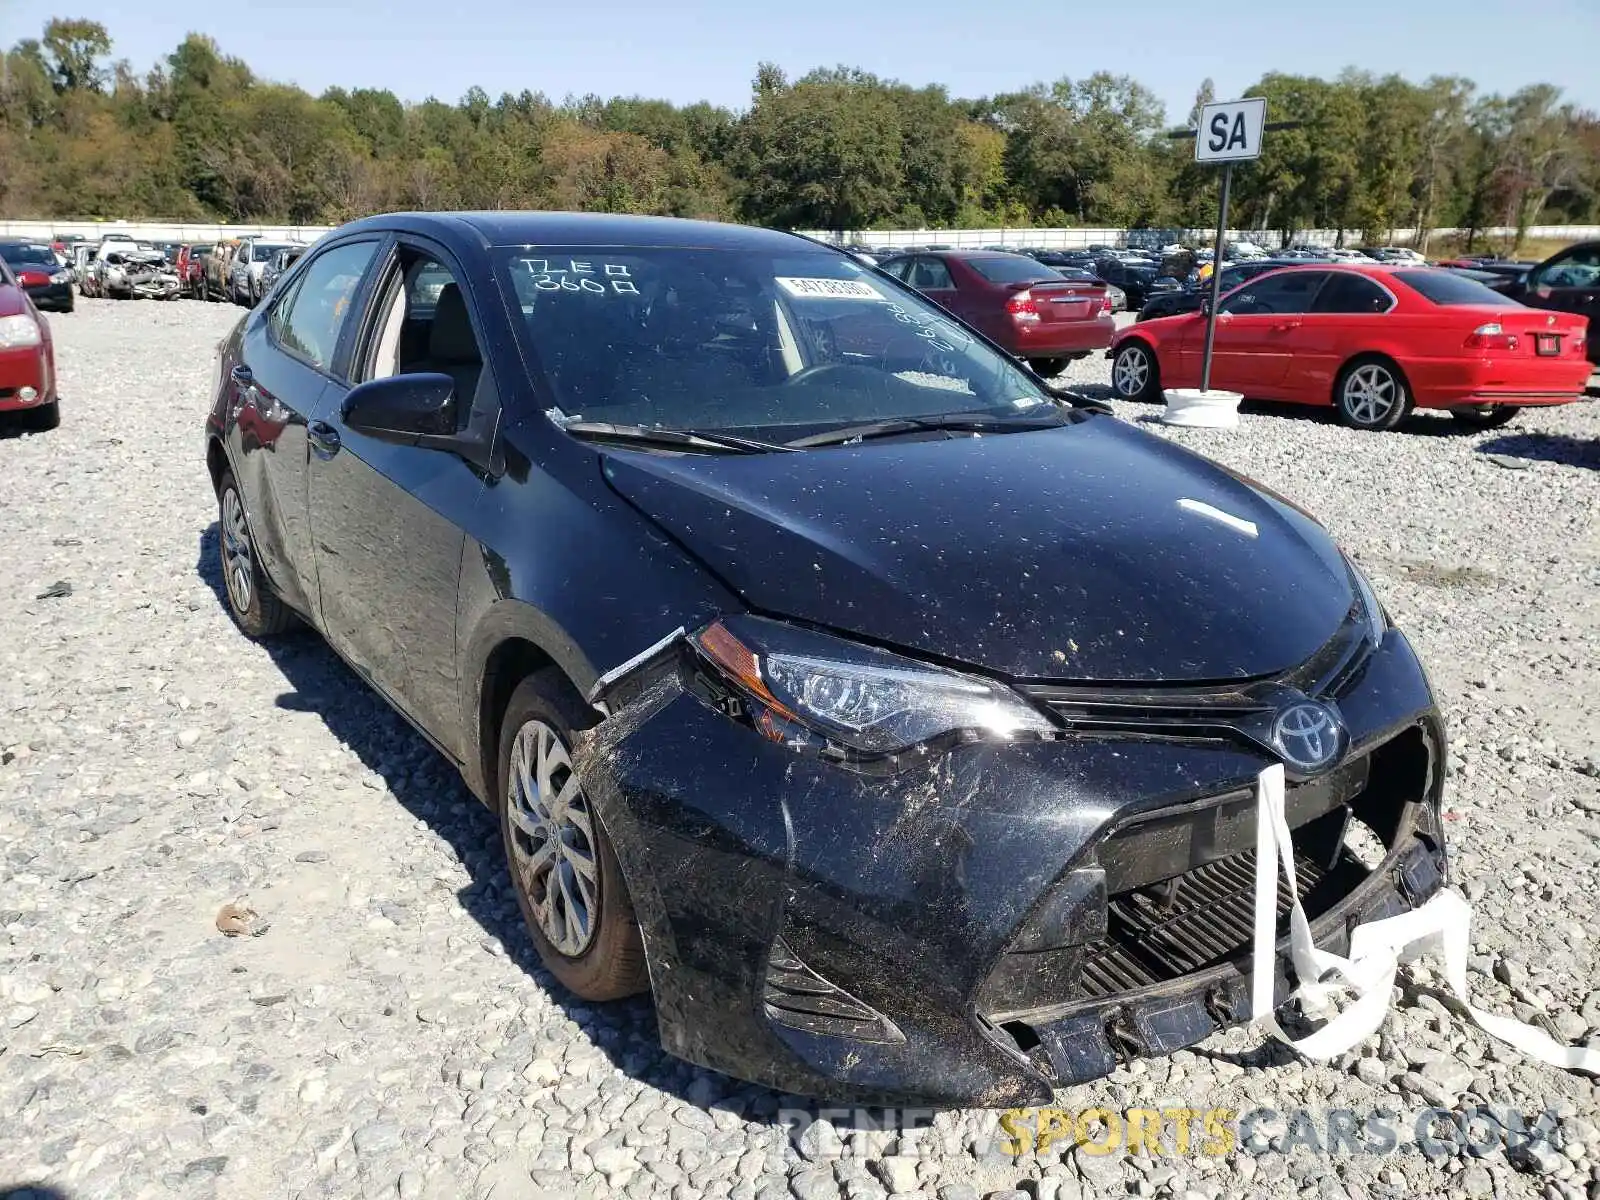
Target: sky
687,50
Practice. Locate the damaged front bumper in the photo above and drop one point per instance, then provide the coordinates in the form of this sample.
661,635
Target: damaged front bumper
997,920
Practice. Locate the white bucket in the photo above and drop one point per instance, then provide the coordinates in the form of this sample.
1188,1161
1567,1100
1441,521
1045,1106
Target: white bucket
1204,410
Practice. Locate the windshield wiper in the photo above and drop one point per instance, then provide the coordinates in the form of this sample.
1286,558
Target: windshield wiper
960,422
698,439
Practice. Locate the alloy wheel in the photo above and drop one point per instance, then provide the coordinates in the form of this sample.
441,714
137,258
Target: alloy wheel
1370,394
552,842
1131,372
238,566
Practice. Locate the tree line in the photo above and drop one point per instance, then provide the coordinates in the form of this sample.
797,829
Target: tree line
200,137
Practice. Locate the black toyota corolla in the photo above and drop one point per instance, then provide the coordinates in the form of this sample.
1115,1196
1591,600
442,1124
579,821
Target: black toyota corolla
891,718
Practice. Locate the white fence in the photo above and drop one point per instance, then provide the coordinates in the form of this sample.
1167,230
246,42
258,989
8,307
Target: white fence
1074,238
1062,239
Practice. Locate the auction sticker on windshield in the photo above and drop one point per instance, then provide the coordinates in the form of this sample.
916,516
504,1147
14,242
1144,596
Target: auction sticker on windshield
841,289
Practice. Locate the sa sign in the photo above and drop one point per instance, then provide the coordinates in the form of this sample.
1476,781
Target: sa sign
1230,131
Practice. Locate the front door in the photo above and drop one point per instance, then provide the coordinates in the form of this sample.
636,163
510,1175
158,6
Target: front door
385,516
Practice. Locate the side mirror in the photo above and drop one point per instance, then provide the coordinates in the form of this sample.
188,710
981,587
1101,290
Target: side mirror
1205,306
403,408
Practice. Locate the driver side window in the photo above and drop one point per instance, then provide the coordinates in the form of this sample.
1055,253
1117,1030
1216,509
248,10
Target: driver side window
1290,292
426,326
1579,268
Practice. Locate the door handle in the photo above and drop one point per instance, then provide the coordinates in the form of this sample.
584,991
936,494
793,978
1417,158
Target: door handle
1285,326
324,438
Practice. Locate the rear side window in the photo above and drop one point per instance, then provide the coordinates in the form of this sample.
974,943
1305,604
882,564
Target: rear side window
1348,293
1011,269
1289,292
931,273
1442,287
308,322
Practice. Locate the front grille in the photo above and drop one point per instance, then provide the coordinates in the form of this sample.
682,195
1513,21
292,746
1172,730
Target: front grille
1171,894
1206,918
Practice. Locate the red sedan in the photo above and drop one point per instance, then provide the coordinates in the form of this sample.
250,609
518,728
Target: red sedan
27,359
1030,309
1374,341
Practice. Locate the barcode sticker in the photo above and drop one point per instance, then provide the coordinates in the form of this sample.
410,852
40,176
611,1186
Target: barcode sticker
836,289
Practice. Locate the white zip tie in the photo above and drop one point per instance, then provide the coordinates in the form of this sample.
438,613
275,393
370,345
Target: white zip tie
1442,923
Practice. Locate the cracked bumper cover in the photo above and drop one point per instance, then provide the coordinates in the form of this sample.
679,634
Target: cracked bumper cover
755,868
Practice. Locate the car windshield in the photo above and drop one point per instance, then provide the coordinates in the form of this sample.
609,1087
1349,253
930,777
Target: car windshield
20,255
265,253
1448,289
775,345
1011,269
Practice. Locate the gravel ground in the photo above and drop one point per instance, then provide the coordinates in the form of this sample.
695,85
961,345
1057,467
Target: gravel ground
389,1034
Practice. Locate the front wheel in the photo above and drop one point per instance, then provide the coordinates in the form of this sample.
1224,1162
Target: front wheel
1486,416
259,612
44,418
564,871
1371,394
1134,373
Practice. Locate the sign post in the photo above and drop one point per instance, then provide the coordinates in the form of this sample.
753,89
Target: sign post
1229,132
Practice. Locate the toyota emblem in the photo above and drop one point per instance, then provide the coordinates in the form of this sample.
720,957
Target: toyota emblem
1308,735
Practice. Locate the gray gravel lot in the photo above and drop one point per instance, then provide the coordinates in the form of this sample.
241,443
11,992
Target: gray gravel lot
390,1033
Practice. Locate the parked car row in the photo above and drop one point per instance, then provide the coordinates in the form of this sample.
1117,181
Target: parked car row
121,267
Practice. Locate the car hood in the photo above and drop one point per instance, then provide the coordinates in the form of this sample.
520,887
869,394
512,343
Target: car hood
1093,552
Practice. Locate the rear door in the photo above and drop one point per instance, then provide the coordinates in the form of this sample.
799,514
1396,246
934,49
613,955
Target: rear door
389,519
932,278
1570,282
285,365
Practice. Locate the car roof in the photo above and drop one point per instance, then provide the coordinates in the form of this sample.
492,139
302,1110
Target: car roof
488,229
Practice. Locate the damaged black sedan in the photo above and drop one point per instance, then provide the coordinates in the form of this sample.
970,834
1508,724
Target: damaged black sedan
892,719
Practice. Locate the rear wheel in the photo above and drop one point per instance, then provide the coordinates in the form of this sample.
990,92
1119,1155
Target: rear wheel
1486,416
1134,373
254,606
563,868
1371,394
1048,368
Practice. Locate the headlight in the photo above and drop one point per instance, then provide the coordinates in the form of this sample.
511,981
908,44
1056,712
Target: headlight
61,277
811,690
1377,621
18,331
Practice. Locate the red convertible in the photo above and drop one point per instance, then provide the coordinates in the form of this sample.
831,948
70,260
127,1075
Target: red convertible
1374,341
27,359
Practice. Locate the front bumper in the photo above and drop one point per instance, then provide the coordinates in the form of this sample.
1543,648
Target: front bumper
28,367
958,932
55,297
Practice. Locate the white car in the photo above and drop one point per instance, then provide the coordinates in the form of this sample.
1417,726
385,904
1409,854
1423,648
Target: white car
244,276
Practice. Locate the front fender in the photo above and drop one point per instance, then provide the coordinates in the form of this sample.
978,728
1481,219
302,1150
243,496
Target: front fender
559,561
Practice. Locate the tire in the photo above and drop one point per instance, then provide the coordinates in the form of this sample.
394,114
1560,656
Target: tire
255,608
1371,394
1487,416
44,418
1135,373
1048,368
604,958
